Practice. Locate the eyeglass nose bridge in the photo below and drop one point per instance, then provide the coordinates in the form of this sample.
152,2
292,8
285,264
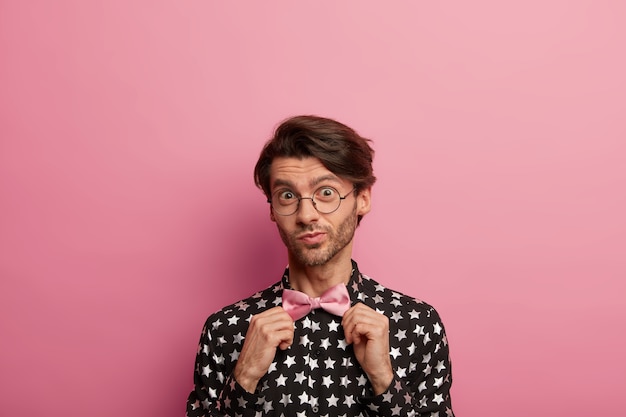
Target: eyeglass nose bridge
306,198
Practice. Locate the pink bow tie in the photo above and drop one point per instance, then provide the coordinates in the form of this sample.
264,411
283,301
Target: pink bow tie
335,300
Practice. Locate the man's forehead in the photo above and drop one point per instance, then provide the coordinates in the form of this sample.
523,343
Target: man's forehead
300,172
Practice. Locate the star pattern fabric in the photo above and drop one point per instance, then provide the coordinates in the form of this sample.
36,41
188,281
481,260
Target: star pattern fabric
319,374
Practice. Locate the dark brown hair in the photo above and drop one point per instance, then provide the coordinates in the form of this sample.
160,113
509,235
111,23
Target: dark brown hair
340,149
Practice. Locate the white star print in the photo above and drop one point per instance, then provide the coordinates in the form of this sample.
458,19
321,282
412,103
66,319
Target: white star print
361,380
325,343
395,352
242,306
300,377
290,361
400,334
238,338
313,401
332,400
315,326
304,340
280,380
329,363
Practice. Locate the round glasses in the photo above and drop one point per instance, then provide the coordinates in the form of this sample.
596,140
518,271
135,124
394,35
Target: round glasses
325,200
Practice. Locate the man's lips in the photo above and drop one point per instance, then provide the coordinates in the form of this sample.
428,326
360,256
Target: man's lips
312,238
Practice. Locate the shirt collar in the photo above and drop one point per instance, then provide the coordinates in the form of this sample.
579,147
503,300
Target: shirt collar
354,285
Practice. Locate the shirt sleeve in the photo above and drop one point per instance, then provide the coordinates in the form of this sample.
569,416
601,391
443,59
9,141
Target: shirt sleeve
424,388
215,392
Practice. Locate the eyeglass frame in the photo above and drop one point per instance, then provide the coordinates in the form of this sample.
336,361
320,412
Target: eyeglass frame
312,198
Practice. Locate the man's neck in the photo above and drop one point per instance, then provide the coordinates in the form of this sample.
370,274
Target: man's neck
314,280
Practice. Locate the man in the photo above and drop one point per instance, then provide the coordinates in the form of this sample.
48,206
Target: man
325,340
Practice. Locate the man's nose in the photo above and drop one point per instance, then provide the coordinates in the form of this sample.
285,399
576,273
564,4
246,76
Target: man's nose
306,210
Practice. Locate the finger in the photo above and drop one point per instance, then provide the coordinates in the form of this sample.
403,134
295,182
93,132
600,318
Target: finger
364,322
357,313
275,317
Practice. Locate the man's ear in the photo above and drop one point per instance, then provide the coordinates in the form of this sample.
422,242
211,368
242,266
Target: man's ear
272,218
364,201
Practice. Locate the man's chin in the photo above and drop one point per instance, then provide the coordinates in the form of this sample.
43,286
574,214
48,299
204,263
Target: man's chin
309,257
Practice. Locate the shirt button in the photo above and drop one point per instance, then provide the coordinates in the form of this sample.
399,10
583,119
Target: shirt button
317,353
315,409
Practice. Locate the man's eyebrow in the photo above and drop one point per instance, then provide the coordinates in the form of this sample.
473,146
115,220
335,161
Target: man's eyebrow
278,182
324,178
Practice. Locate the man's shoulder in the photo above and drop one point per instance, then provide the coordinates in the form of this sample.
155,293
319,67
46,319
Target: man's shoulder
247,307
390,301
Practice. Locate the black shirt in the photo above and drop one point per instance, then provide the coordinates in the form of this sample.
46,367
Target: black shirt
319,374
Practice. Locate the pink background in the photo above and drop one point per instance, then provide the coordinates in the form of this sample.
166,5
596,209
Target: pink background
128,213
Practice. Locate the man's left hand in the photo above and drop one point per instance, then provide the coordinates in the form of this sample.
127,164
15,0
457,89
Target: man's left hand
368,332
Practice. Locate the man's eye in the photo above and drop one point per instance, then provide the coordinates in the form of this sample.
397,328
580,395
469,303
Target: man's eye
286,195
326,193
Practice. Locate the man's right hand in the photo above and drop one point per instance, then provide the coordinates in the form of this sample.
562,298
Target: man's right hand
268,330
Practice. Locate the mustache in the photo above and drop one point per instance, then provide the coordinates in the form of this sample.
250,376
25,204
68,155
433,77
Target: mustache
312,229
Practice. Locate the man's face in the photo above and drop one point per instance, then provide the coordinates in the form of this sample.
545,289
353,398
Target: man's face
313,238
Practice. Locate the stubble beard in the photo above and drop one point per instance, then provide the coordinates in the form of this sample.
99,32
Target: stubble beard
316,254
